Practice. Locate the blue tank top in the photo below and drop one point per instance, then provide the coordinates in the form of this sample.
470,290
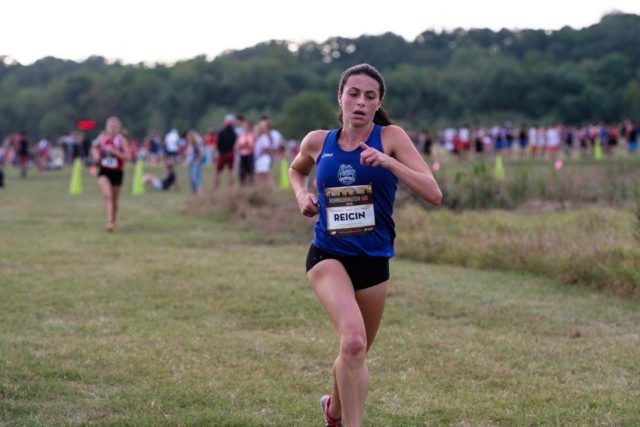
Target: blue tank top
356,201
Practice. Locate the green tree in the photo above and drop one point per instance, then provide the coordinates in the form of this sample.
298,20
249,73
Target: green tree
57,122
632,99
573,75
305,112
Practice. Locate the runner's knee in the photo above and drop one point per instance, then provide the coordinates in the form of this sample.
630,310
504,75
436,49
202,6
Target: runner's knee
353,345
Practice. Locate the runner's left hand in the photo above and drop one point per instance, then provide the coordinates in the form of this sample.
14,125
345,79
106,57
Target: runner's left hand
372,157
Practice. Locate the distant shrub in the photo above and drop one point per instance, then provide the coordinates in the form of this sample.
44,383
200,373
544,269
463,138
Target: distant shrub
474,186
589,246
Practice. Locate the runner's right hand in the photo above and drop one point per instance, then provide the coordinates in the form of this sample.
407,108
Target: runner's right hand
308,204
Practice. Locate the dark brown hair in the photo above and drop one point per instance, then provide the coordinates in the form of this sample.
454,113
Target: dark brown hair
381,117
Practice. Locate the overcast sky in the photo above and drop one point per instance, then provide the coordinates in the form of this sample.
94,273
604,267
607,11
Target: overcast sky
140,31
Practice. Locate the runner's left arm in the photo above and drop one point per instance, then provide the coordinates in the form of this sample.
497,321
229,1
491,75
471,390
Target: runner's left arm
404,162
124,153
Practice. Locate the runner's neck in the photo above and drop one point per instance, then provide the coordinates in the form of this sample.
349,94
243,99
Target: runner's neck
353,136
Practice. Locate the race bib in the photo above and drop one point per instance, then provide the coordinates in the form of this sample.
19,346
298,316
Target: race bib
349,210
109,162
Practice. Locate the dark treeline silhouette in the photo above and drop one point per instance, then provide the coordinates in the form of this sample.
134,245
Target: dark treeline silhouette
460,77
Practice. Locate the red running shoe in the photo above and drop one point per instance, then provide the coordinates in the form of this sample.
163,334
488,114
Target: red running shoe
329,421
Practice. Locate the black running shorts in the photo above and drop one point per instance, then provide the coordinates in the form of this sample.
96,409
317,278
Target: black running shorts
364,271
113,175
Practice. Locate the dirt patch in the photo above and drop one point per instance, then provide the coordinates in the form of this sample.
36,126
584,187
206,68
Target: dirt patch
273,212
543,206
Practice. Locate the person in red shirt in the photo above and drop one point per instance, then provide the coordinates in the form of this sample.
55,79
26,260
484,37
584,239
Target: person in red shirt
245,145
211,146
110,151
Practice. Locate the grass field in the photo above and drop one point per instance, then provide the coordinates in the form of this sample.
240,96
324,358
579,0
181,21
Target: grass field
187,319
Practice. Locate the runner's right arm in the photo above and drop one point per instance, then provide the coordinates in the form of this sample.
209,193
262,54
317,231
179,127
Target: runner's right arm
95,150
301,168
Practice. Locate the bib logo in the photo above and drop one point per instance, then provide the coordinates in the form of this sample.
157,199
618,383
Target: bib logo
346,174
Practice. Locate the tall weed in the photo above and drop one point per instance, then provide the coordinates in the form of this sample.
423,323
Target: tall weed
473,185
590,246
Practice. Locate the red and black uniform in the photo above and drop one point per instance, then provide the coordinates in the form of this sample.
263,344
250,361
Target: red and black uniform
226,142
23,150
110,165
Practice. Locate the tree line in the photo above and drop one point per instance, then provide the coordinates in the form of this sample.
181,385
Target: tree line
451,77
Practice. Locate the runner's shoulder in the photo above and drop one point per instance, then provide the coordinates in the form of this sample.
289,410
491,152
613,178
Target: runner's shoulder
313,141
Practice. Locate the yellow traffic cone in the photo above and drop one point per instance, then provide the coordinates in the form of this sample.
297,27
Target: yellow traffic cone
498,170
75,185
284,174
138,184
597,149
